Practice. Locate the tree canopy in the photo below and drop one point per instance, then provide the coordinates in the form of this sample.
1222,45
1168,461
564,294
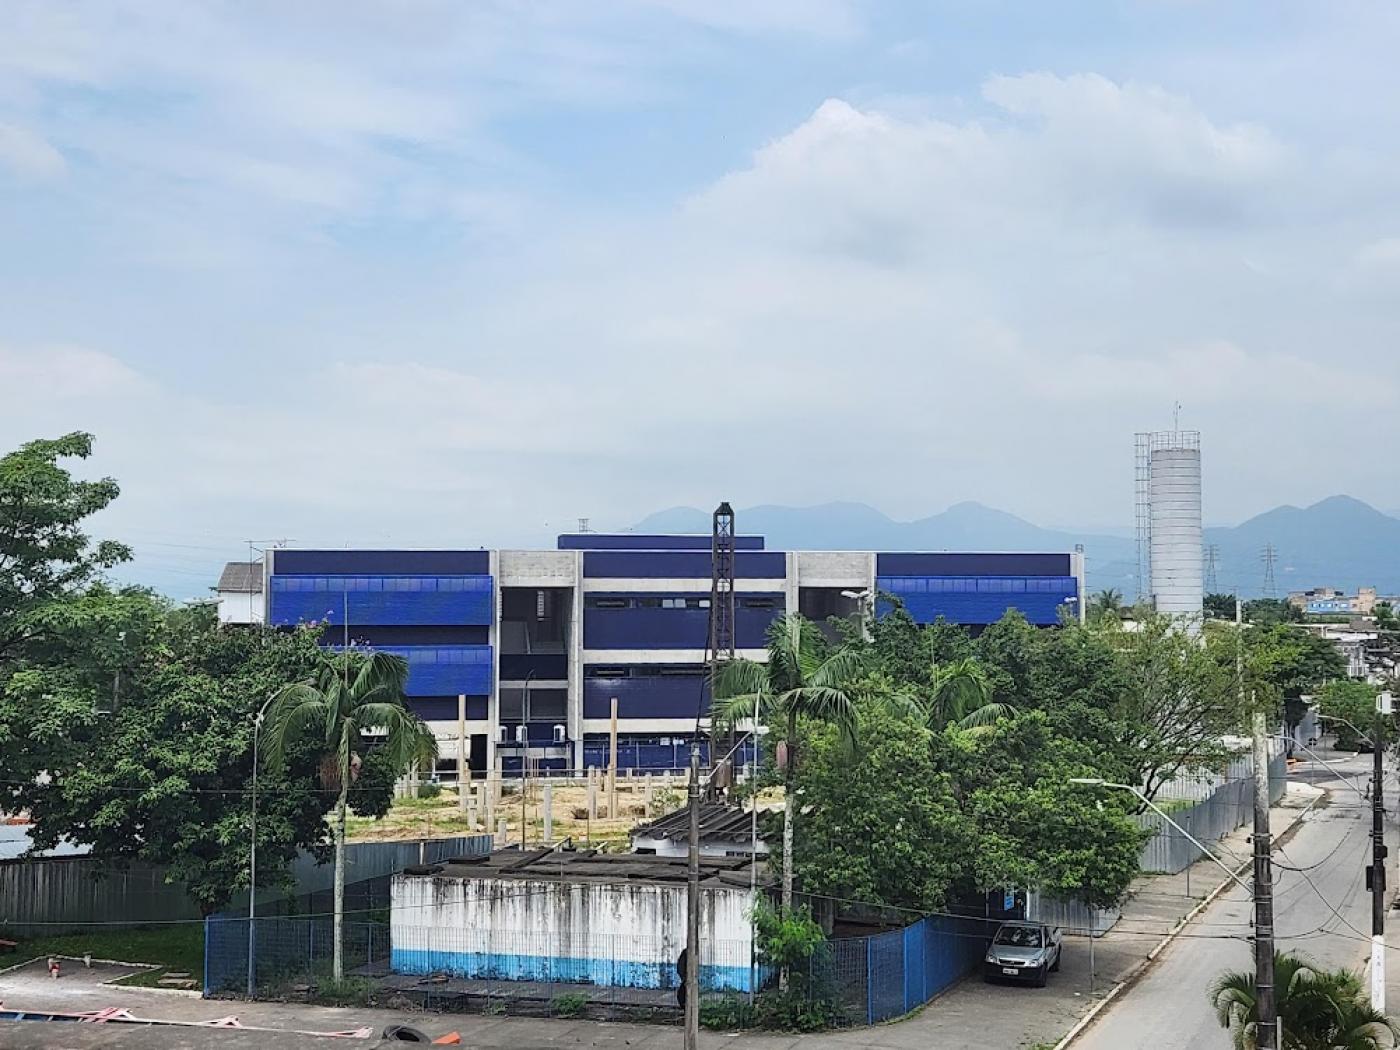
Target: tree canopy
148,750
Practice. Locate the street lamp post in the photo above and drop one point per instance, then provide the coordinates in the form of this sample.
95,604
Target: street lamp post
253,852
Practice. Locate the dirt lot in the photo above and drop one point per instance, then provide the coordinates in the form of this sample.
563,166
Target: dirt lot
636,803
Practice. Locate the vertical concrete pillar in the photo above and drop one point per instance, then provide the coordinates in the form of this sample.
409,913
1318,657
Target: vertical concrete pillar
548,813
592,793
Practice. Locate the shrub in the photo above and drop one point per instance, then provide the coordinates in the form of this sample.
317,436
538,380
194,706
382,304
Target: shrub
726,1012
570,1004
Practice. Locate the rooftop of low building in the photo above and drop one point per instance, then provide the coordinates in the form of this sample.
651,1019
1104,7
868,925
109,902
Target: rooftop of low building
586,865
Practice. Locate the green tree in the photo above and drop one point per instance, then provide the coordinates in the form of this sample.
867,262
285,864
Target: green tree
44,553
147,742
1349,709
1266,612
803,680
886,829
1032,826
350,694
1106,604
1220,606
1317,1009
1386,619
1173,699
961,695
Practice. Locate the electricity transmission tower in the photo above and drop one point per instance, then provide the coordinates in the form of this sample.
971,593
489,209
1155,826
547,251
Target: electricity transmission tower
1269,556
1212,564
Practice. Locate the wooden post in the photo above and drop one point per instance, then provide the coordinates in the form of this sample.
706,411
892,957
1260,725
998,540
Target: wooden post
612,762
463,779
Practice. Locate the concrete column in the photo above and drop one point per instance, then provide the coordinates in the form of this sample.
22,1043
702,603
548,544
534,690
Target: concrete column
647,792
548,813
502,831
592,793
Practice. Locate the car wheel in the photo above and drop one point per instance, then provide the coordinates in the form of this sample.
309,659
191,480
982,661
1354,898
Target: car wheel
1041,976
1056,967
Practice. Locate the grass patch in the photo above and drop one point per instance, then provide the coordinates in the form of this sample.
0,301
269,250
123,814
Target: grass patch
177,946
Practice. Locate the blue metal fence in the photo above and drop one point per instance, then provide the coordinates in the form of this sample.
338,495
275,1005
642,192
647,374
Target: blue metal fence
886,975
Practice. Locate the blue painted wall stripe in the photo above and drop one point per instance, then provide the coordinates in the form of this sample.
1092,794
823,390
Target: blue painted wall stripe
608,973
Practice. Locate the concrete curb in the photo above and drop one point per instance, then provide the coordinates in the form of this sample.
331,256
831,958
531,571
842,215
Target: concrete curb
1137,971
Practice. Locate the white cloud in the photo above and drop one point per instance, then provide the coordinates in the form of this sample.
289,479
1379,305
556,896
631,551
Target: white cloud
341,270
28,154
63,373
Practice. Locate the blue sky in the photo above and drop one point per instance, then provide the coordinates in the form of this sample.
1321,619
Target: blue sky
434,273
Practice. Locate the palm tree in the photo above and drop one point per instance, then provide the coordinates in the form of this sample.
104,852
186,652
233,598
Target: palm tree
1107,603
350,694
961,695
801,680
1317,1009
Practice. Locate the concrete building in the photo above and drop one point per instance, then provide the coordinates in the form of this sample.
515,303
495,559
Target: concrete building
615,920
240,592
543,642
1329,601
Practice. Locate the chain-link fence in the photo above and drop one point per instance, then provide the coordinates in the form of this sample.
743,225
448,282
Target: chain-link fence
858,980
885,975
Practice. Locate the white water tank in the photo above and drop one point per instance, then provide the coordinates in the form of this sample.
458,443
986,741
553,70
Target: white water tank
1174,490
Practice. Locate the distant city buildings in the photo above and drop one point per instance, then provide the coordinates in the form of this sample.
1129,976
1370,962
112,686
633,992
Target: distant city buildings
1329,601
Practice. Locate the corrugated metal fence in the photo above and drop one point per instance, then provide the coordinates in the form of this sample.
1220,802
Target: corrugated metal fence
293,934
49,895
1229,805
46,895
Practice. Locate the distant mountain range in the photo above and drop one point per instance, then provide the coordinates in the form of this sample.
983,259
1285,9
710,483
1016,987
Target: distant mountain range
1339,542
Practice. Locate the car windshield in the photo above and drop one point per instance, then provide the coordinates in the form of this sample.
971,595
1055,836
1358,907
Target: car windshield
1019,936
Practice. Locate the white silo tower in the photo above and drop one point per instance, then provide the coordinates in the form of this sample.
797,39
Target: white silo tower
1170,555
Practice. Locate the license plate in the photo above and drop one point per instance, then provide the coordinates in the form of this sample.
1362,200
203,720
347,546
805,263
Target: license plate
1010,971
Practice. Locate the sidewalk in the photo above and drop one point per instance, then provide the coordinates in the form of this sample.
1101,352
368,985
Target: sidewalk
981,1016
973,1015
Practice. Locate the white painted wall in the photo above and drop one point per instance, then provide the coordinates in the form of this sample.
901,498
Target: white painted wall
240,607
611,933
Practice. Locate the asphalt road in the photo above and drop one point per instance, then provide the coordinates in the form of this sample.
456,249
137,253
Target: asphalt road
1323,912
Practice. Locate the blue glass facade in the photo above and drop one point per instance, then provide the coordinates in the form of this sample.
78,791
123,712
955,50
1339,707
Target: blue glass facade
671,620
645,693
979,600
442,610
379,600
446,670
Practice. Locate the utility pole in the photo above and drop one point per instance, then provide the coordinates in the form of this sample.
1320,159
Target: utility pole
1375,874
692,908
1266,1037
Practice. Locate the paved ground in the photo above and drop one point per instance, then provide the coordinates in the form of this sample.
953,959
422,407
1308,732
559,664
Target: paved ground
973,1015
1323,912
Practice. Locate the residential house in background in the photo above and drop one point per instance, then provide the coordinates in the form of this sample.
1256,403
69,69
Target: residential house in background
240,592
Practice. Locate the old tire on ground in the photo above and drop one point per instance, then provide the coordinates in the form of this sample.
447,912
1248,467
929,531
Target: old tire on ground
402,1033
